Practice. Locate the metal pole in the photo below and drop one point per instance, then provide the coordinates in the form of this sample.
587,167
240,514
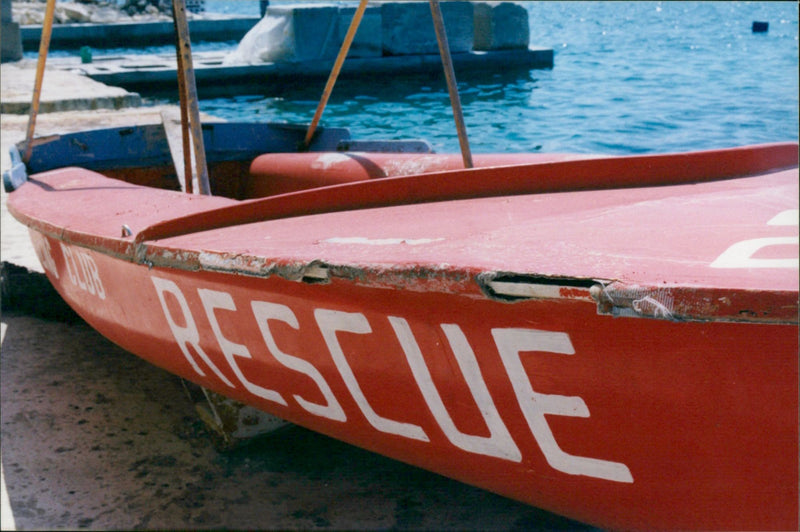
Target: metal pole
44,46
337,67
187,70
450,75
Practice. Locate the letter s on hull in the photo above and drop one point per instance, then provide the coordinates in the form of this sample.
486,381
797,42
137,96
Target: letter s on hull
265,311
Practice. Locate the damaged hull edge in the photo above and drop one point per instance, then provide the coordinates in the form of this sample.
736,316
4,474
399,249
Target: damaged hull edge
612,297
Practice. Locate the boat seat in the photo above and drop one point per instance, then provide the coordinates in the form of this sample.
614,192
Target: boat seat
280,173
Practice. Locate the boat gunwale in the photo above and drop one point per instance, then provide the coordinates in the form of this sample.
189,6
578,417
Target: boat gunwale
606,173
634,171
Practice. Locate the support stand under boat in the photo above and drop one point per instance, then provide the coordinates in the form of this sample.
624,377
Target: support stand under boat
232,424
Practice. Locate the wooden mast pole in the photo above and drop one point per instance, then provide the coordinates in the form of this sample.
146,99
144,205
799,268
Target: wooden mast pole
183,96
337,67
44,46
452,87
189,94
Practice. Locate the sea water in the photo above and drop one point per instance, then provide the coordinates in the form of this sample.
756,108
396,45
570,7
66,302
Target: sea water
628,77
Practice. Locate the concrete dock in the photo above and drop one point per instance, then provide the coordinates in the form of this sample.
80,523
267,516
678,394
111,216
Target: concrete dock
95,438
393,40
158,72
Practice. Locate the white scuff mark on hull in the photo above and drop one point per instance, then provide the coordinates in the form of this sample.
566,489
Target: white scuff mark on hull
328,160
381,241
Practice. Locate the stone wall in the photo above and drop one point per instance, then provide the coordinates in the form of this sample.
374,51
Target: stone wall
501,26
96,11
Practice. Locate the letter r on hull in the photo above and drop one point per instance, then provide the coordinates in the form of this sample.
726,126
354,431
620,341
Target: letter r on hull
188,335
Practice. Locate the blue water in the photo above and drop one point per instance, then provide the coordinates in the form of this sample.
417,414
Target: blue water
629,77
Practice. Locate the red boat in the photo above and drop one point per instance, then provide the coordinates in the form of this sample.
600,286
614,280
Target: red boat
611,339
614,339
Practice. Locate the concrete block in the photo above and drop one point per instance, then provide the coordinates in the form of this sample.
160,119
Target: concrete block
408,27
368,41
307,33
10,42
315,32
501,26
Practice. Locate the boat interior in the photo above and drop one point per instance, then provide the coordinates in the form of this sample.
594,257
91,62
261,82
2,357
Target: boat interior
243,159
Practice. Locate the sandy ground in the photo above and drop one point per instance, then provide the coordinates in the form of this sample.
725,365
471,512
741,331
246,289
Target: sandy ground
95,438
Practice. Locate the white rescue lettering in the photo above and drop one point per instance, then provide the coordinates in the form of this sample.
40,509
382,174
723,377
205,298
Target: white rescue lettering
510,343
187,335
264,312
213,300
499,443
41,245
332,321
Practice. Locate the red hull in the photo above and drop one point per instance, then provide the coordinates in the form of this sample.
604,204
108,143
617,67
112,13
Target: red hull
592,369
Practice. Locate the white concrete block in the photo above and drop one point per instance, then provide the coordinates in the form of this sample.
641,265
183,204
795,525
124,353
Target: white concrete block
304,32
501,26
290,33
408,27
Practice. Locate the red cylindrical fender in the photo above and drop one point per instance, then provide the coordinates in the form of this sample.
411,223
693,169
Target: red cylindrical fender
278,173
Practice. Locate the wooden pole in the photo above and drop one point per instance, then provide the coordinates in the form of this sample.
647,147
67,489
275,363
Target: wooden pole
189,94
337,67
187,177
183,96
44,46
452,87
